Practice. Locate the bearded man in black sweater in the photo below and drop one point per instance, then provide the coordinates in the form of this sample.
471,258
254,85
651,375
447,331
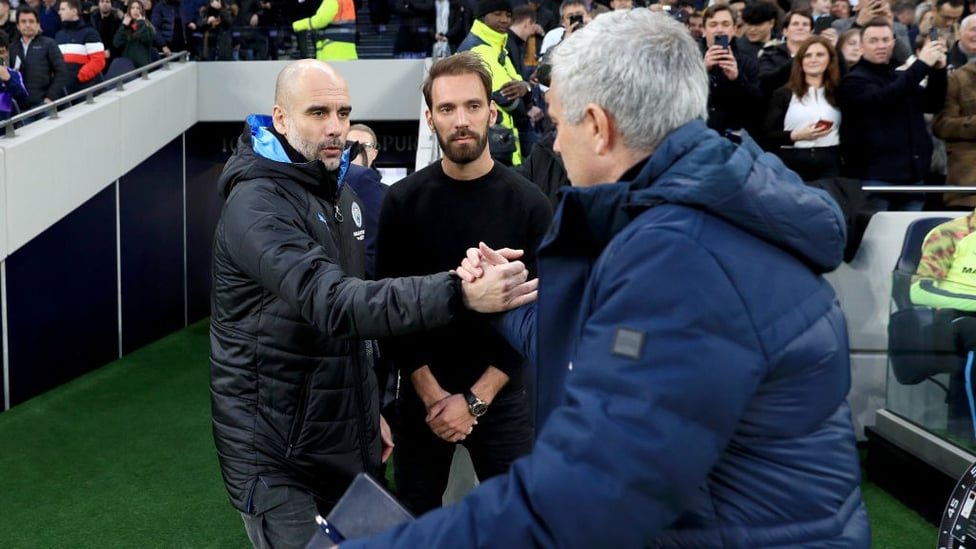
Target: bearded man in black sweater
463,383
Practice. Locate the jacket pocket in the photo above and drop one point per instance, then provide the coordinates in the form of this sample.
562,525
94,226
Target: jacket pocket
298,422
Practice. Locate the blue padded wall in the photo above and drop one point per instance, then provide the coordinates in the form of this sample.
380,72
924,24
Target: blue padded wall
151,247
208,145
62,304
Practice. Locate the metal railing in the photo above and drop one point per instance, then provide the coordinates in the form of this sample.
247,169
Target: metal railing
88,94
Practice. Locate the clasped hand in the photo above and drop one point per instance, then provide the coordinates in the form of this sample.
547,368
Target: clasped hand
450,419
495,284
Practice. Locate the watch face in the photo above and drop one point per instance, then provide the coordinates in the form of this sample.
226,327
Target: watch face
478,409
958,527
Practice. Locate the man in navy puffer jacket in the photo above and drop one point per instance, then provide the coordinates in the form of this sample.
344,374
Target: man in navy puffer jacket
692,363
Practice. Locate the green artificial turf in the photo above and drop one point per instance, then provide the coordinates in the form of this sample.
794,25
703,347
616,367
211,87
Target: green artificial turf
123,457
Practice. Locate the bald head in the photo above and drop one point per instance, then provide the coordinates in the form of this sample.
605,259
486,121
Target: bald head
290,78
312,110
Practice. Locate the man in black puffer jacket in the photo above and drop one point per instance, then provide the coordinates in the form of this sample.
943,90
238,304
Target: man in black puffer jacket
294,397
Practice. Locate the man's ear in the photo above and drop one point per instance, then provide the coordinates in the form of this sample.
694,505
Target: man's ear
279,119
601,127
430,119
493,111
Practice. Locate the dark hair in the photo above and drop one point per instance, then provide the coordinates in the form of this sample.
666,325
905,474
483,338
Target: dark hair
759,12
521,13
26,9
877,22
831,79
953,3
4,39
456,65
73,4
794,13
714,9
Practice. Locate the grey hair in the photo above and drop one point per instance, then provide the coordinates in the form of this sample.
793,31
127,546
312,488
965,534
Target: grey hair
967,21
643,68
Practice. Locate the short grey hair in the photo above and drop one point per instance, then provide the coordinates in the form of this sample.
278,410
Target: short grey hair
644,68
967,21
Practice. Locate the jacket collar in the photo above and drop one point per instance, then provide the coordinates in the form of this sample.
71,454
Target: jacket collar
489,36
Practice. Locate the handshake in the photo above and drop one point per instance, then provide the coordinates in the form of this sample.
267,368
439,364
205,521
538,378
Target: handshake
493,281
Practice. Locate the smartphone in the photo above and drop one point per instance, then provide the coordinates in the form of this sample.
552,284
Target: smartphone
934,34
575,21
824,124
722,40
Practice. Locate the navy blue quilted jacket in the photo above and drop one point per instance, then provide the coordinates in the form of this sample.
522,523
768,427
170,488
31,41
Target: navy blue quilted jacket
692,369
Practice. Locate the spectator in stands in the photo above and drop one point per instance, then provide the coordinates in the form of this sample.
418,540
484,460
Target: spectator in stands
332,29
81,47
840,9
167,18
776,59
734,93
215,22
545,17
488,39
7,22
460,18
946,275
820,13
49,18
905,14
956,124
964,50
12,90
803,121
107,19
884,137
643,442
849,45
292,281
573,15
696,25
617,5
39,61
522,29
879,9
135,36
415,35
254,41
758,22
944,17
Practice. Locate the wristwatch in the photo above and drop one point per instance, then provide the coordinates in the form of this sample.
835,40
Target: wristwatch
476,406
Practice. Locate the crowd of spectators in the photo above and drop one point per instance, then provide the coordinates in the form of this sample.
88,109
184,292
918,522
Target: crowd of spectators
835,88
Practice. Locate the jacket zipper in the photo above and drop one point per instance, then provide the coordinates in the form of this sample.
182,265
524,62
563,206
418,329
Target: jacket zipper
361,416
299,421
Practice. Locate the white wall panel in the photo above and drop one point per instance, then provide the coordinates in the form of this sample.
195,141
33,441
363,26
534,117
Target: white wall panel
381,89
51,174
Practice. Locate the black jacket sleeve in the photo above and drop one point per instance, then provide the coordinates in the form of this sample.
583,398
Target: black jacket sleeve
774,136
266,238
59,72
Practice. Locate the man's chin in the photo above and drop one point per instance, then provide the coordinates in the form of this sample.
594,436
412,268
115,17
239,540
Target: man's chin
331,162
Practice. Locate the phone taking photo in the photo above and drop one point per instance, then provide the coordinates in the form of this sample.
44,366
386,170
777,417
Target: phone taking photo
722,40
824,124
575,21
934,34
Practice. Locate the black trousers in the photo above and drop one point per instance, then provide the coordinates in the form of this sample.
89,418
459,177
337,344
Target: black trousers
812,163
422,460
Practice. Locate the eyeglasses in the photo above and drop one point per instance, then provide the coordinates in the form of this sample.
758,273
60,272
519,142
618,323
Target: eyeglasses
370,146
